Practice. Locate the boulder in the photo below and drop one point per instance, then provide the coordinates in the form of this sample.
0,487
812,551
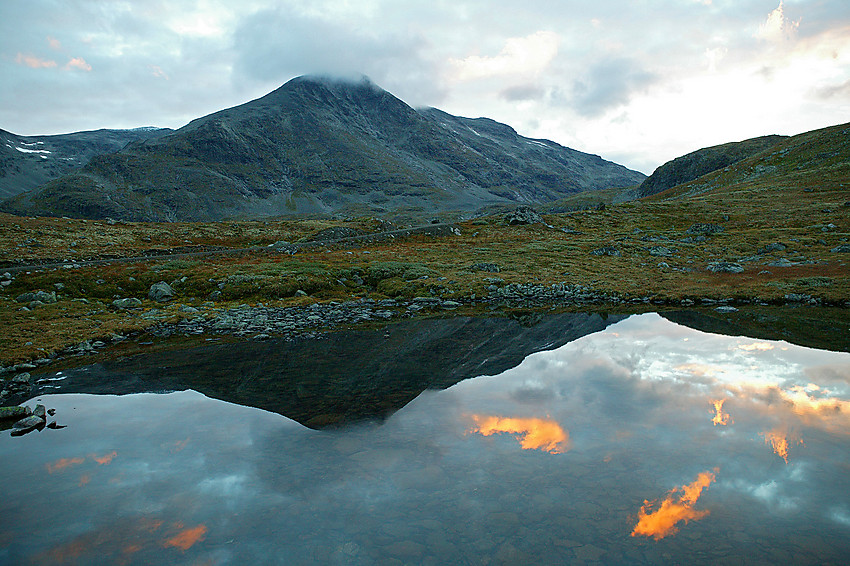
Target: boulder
129,303
13,413
161,291
523,215
725,267
27,424
842,249
774,247
488,267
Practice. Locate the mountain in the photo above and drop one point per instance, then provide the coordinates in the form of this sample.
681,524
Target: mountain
326,146
701,162
347,376
27,162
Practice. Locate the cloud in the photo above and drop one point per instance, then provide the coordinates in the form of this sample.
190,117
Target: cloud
834,91
34,62
273,46
519,93
54,43
520,56
78,63
609,84
777,27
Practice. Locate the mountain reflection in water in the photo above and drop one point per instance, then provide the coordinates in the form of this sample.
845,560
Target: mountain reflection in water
663,456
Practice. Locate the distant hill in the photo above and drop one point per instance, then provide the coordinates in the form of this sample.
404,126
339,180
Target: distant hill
701,162
816,161
323,146
27,162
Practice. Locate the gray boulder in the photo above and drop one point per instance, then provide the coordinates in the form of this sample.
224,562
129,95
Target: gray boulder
161,291
488,267
26,425
607,250
523,215
774,247
129,303
725,267
842,249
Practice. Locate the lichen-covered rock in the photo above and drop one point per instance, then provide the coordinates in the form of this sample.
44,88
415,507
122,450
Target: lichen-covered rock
842,249
13,413
607,250
523,215
161,291
129,303
705,229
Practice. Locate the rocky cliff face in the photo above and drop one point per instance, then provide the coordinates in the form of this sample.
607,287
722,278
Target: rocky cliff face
701,162
323,146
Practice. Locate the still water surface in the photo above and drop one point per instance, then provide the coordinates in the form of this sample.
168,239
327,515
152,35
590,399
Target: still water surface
644,442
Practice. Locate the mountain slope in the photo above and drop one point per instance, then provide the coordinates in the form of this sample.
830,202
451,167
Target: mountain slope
816,161
27,162
701,162
322,146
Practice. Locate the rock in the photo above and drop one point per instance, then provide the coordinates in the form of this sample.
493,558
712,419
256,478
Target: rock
22,378
488,267
523,215
781,262
800,298
842,249
26,425
6,276
300,293
40,411
39,296
161,291
607,250
705,229
129,303
660,251
726,309
13,413
774,247
725,267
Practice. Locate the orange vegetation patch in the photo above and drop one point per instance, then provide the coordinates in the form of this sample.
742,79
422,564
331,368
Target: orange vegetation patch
677,506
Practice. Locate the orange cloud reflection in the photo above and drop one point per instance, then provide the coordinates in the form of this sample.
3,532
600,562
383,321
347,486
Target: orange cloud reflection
187,538
105,459
720,418
541,434
63,463
662,521
778,441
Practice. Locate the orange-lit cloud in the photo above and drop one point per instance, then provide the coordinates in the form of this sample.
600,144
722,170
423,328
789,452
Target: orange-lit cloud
34,62
106,458
187,538
63,463
54,43
78,63
779,442
84,479
720,418
534,433
677,506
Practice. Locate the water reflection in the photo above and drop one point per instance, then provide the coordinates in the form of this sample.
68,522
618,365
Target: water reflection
192,480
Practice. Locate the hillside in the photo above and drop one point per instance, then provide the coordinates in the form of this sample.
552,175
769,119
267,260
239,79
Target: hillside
701,162
27,162
324,147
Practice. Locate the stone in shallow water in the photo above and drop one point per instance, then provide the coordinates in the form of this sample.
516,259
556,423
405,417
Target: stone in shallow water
17,413
26,425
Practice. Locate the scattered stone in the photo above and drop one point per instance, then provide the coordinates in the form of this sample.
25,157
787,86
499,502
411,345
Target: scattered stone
488,267
22,378
607,250
725,267
705,229
161,291
842,249
129,303
800,298
523,215
781,262
300,293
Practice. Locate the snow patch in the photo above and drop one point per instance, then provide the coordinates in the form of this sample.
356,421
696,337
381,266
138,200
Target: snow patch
27,150
541,144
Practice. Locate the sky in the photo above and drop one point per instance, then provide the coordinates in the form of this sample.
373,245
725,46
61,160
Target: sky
638,82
